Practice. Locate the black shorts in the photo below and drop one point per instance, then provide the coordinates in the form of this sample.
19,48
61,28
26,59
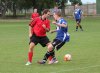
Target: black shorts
57,44
78,21
41,40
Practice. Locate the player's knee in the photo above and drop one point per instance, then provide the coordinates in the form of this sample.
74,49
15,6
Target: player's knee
50,47
31,47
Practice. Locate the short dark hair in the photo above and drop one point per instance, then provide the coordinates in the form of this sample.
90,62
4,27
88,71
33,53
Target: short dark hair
45,11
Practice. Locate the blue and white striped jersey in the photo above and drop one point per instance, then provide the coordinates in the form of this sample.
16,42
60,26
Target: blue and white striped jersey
77,13
62,32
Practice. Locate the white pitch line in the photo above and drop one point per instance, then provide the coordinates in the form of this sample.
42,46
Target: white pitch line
77,69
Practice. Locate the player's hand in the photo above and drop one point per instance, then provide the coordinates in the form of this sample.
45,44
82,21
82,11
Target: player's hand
54,22
51,31
30,35
44,26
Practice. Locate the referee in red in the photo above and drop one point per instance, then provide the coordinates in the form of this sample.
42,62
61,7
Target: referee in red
37,33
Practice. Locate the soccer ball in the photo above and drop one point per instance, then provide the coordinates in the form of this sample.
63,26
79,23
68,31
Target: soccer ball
67,57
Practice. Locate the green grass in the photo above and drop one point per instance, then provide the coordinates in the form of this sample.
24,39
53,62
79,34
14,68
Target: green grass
83,46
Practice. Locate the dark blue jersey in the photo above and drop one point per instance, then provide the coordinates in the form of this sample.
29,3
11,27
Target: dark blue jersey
62,32
77,13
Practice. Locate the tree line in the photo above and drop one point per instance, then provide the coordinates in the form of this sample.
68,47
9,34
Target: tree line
14,5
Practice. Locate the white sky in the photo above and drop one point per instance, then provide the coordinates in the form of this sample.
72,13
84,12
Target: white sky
88,1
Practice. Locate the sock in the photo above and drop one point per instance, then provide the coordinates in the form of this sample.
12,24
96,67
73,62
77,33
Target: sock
76,28
46,56
30,55
81,27
52,54
49,54
50,57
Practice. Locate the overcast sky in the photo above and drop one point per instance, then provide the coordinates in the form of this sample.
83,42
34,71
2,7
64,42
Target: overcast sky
88,1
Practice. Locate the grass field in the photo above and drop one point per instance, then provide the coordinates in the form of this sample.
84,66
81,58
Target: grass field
83,46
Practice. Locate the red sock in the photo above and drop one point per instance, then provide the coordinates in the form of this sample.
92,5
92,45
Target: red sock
30,55
50,57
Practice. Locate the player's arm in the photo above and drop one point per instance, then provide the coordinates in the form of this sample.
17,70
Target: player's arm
82,14
47,26
73,15
52,31
61,25
30,33
31,25
47,29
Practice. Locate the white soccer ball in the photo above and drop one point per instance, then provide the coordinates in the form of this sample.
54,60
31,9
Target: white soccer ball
67,57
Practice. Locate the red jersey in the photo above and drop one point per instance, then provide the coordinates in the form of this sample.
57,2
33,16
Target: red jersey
37,27
34,15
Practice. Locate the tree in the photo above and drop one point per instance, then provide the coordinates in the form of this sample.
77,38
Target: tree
43,4
73,2
21,4
24,4
3,6
14,5
62,4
